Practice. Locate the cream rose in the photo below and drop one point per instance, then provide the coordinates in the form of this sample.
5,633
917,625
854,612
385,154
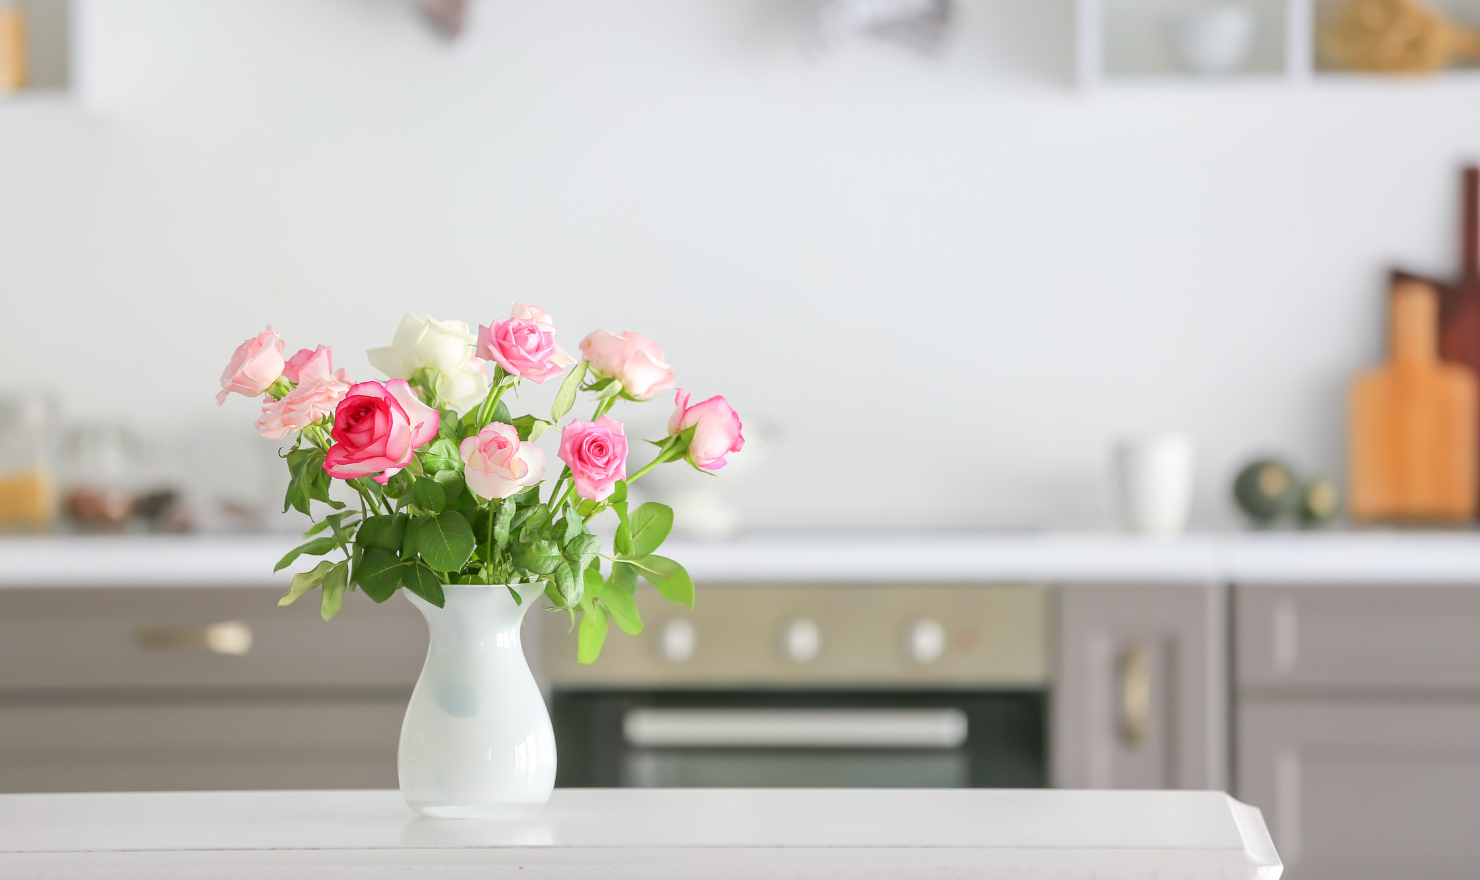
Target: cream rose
445,348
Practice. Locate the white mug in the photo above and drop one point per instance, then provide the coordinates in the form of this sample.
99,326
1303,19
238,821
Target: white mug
1153,478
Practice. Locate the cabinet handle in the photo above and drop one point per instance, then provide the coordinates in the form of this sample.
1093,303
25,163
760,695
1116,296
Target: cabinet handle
1135,694
231,637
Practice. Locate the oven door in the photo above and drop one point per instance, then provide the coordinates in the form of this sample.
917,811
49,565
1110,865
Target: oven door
793,739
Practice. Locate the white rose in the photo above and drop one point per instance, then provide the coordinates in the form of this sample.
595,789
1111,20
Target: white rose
443,347
463,388
423,342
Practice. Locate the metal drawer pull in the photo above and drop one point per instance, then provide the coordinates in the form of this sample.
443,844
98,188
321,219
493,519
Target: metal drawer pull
1135,695
797,728
231,637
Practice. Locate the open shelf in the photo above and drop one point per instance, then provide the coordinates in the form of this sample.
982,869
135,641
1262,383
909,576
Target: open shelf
50,49
1133,43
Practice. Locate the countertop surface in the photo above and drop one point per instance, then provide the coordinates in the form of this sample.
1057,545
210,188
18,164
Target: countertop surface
647,833
1337,557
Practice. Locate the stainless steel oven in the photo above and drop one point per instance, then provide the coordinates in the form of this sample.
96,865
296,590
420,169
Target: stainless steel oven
811,686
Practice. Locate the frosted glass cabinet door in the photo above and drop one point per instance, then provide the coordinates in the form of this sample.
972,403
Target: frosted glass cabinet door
1365,790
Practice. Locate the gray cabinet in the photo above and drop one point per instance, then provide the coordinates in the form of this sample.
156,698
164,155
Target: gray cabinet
212,688
1140,693
1358,727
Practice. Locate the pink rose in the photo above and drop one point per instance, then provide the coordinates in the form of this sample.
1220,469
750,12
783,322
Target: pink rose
377,430
255,365
633,359
718,433
309,366
499,463
305,405
596,453
524,345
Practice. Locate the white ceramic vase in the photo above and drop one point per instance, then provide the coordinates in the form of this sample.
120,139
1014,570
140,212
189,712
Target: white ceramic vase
477,741
1154,479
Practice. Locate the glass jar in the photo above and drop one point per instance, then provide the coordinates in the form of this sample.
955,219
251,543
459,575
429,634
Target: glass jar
98,476
27,485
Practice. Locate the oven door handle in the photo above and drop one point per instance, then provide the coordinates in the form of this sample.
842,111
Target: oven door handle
796,728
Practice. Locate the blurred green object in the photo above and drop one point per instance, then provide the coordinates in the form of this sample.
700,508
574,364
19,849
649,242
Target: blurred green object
1320,501
1265,490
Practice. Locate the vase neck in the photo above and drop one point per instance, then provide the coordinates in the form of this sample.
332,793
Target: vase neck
477,607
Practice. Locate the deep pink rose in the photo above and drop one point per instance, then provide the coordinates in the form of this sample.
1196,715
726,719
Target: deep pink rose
377,430
524,345
498,463
718,433
305,405
596,453
311,365
255,365
633,359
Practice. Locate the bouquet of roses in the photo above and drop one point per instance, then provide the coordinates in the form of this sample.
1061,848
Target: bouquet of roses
450,482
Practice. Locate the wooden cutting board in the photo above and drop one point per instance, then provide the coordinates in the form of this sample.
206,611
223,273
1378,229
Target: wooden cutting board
1413,423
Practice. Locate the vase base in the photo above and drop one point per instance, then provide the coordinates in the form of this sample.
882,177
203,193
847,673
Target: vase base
473,811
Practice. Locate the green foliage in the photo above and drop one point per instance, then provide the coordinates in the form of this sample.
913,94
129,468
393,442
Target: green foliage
444,541
668,577
530,428
649,526
305,581
440,455
623,610
387,532
335,583
591,636
565,398
429,495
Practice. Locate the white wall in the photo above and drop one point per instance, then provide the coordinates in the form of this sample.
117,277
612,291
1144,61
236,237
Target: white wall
950,284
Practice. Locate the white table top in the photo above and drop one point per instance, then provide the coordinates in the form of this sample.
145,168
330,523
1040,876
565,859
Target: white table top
645,833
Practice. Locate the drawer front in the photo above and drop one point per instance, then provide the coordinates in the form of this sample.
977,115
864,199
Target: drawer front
1358,637
202,638
200,746
1365,790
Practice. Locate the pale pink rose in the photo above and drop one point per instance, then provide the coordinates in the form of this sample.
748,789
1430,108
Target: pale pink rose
305,405
498,463
311,365
377,430
633,359
596,453
524,345
718,433
255,365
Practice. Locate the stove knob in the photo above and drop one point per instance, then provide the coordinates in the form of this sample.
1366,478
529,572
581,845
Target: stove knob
801,641
677,641
925,641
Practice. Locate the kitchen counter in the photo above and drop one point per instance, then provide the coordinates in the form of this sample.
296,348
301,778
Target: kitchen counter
645,833
1371,557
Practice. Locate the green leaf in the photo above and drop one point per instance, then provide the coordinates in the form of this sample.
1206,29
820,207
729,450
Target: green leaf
316,547
305,581
541,557
580,551
565,398
502,521
518,599
650,525
592,635
567,585
386,532
574,526
618,500
624,577
424,582
445,541
668,577
452,484
440,455
335,583
379,573
429,495
623,610
594,585
606,388
530,428
501,414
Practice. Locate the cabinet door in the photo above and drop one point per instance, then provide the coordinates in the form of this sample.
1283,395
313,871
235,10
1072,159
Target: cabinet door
1350,639
1353,790
1140,694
